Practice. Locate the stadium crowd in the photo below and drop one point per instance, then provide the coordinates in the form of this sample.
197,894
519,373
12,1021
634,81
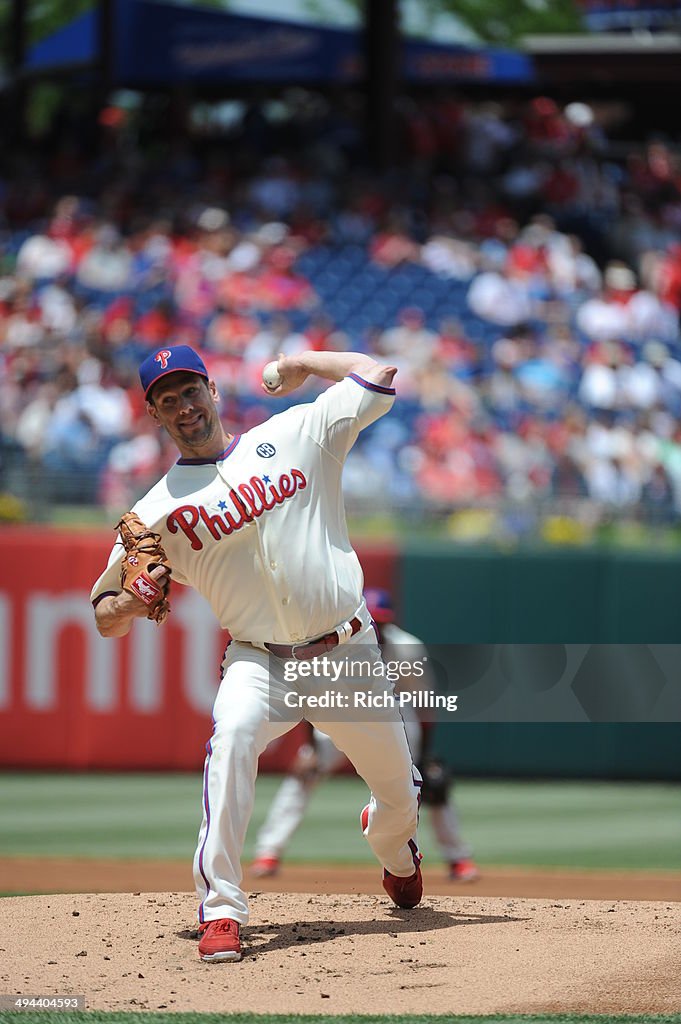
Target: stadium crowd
520,266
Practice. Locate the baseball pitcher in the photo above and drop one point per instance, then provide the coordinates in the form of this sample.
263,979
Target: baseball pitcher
255,522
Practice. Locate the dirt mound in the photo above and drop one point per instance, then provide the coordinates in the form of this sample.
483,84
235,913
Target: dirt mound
348,954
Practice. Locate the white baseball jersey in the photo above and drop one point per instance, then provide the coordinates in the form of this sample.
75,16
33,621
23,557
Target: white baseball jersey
260,531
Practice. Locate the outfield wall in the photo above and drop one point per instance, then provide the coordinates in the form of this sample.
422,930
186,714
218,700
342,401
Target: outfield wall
568,596
483,597
69,699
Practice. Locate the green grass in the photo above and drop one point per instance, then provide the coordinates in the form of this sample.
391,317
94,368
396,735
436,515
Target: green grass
98,1017
551,824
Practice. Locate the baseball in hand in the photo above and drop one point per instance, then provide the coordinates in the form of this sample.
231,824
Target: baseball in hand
271,376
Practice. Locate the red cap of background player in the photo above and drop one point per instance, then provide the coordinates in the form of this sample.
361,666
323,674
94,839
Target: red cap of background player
170,360
379,604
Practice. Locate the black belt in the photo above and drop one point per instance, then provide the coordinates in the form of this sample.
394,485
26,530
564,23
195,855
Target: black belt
313,648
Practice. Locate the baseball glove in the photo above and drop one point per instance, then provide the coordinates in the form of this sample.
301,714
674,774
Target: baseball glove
436,781
143,552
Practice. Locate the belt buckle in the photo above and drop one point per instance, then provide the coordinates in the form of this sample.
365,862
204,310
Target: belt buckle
294,647
320,642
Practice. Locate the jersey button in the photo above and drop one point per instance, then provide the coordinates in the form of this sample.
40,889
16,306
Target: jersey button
273,565
284,600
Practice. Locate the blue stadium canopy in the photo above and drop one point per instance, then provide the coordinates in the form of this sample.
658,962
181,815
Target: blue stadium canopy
161,44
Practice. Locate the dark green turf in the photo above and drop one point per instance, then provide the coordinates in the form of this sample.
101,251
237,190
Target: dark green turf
588,825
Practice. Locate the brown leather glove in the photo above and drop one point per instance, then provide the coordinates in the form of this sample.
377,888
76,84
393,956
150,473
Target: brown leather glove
144,552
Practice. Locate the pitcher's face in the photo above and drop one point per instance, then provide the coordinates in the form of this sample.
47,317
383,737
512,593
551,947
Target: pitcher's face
185,405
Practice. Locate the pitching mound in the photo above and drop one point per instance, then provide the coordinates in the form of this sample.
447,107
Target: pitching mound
348,954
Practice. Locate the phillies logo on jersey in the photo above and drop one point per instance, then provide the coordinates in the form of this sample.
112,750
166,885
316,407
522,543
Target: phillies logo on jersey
162,357
247,502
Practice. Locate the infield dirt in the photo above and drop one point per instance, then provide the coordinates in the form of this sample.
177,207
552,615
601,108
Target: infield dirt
349,953
86,874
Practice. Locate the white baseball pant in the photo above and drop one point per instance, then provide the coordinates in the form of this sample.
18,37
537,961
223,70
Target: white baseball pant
293,796
250,712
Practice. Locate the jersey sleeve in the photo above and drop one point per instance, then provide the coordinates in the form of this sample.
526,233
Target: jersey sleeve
152,511
336,417
110,580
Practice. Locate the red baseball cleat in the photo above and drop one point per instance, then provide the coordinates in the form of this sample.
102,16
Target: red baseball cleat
265,867
464,870
404,892
220,941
